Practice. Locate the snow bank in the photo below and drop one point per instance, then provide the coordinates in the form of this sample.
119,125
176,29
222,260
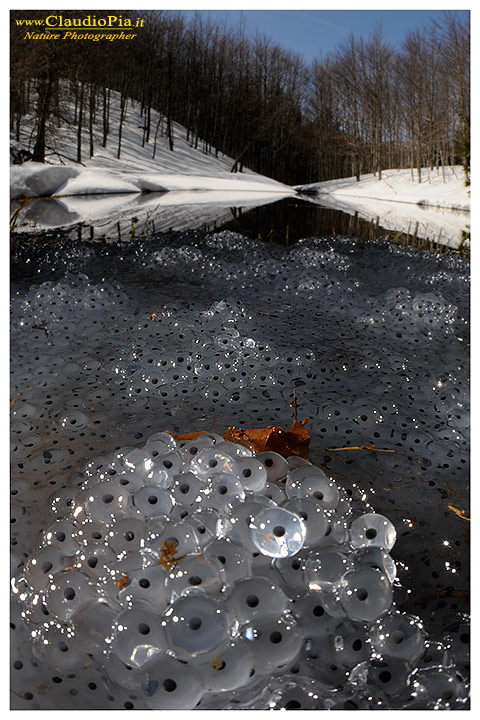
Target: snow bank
37,180
442,188
142,167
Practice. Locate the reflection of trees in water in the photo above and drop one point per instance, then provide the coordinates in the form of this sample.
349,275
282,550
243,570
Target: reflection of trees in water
289,220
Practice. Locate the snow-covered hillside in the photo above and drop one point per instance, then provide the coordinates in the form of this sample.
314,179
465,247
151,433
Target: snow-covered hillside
184,168
436,209
440,188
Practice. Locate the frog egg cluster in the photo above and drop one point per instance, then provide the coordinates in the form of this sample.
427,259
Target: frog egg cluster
197,573
205,331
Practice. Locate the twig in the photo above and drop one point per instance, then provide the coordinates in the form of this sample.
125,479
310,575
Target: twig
363,447
461,513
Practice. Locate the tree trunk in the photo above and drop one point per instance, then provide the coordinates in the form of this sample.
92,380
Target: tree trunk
91,119
106,113
80,124
45,97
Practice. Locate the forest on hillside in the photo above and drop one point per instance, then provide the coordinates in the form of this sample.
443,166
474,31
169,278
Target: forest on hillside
364,108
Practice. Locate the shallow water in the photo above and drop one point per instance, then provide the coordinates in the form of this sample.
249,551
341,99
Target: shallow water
370,339
270,217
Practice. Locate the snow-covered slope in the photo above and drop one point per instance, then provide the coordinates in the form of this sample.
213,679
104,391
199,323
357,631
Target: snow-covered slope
184,168
442,188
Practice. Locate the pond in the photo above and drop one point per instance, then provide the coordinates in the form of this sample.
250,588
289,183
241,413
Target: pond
270,217
119,336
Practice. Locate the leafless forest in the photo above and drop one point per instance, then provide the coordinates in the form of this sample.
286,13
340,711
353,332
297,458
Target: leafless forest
365,107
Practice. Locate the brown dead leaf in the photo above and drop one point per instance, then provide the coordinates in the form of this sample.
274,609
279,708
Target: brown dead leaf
123,581
189,436
294,441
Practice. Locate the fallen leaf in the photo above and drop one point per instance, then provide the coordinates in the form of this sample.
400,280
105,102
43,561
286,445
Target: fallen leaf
294,441
188,436
123,581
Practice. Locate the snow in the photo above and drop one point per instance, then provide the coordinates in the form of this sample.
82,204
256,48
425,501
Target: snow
436,209
156,211
184,168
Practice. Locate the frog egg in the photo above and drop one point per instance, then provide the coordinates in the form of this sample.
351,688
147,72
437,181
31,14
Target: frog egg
160,443
62,534
153,501
188,490
365,594
377,558
209,462
93,625
131,481
179,538
310,481
251,473
325,568
172,463
291,571
399,636
40,569
274,492
68,593
346,647
458,639
439,688
189,448
294,461
91,532
372,530
121,674
138,637
62,502
204,520
195,571
171,685
196,623
236,525
304,693
388,677
233,449
312,617
136,460
256,599
317,521
56,647
343,509
226,668
235,561
147,587
127,535
106,501
221,490
94,562
276,532
339,536
161,476
275,464
273,643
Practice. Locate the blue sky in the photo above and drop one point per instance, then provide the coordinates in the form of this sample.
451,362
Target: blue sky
314,33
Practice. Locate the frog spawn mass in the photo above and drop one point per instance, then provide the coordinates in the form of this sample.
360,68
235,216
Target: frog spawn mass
191,331
166,570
